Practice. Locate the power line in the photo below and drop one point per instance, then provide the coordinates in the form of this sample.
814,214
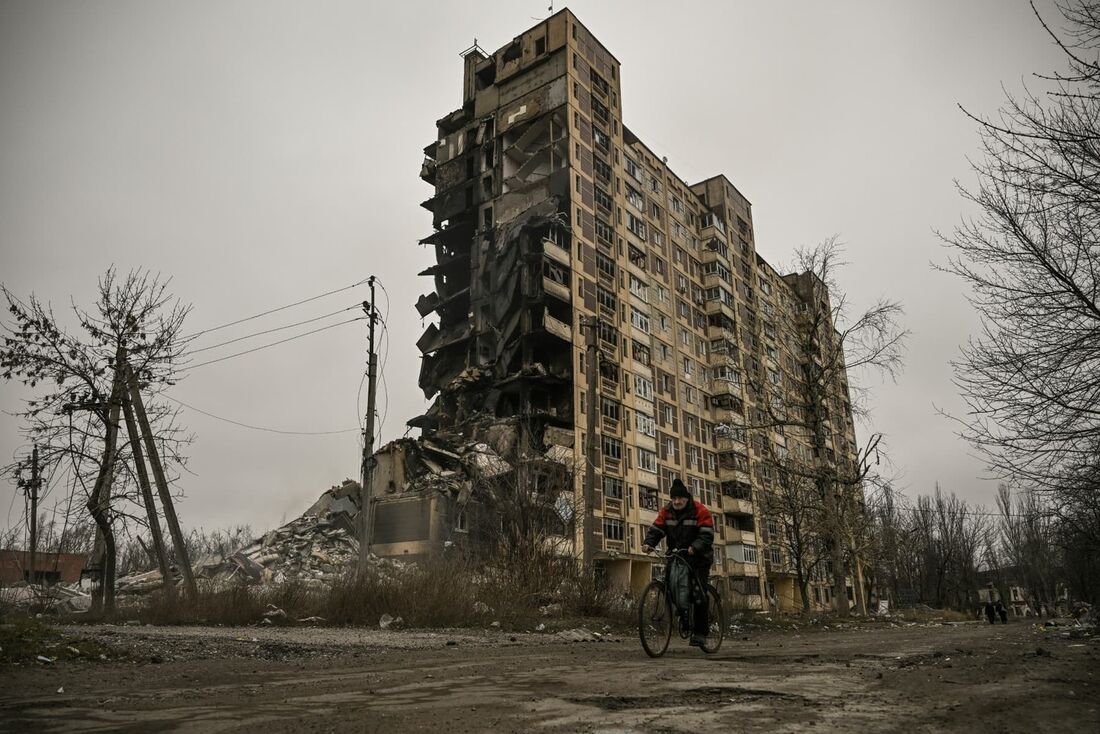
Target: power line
270,331
259,428
272,344
274,310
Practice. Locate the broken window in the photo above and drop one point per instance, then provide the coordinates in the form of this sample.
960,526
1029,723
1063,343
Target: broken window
612,528
640,352
613,488
612,448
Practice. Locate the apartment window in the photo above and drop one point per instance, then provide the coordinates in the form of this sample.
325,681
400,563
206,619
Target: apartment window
607,299
774,555
636,225
677,205
605,265
632,168
647,461
609,409
648,497
645,424
639,320
600,110
638,288
612,529
687,367
659,265
604,200
613,488
750,553
643,387
635,198
640,352
601,167
603,231
612,448
658,239
600,139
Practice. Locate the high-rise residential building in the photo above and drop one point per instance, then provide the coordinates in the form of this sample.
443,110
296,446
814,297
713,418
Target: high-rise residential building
550,215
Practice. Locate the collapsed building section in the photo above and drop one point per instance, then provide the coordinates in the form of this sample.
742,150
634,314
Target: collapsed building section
502,302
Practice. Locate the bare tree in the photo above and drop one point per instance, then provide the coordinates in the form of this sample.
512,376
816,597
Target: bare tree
828,347
1031,259
74,415
796,505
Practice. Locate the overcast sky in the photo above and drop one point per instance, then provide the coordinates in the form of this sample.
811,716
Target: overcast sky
260,153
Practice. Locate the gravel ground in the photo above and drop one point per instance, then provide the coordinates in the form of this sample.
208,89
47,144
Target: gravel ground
966,677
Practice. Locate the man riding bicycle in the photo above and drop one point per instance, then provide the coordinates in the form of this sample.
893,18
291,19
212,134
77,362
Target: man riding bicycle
686,523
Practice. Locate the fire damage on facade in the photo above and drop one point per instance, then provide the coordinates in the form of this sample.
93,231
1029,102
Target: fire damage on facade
549,213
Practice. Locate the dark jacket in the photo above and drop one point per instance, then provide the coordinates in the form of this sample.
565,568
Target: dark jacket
692,527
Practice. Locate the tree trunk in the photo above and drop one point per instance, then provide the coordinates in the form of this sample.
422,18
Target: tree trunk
99,505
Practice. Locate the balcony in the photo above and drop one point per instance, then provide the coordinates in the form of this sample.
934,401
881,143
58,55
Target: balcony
733,568
557,253
731,535
736,506
556,289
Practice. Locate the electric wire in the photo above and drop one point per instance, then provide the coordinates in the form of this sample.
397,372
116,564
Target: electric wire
269,331
257,428
197,334
272,344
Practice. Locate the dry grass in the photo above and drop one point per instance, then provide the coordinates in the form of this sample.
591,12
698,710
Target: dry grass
440,593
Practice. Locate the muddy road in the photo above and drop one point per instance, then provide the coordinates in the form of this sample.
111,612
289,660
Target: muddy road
968,677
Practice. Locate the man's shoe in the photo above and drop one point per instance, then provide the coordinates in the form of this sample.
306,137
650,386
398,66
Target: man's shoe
698,640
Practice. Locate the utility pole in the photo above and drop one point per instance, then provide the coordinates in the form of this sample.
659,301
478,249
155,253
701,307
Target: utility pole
147,494
366,470
162,485
591,364
30,488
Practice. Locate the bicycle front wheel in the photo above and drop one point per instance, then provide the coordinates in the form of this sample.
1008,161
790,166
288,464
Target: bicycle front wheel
716,621
654,619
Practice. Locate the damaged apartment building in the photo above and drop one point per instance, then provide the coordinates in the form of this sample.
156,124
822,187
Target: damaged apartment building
547,209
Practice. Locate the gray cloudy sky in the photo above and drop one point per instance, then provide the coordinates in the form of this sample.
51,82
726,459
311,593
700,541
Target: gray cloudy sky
264,152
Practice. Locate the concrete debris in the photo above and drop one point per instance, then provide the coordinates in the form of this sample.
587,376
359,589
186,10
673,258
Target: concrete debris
49,599
579,634
388,622
275,615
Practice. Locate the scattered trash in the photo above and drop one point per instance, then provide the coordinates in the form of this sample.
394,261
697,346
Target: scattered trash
44,660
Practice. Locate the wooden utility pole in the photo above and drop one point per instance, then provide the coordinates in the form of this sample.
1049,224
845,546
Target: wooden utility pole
591,368
30,489
99,503
162,486
366,501
147,495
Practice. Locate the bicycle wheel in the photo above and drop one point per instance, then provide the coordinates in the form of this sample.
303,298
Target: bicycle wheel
654,619
716,621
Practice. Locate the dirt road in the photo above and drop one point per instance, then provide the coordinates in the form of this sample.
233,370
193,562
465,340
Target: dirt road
970,677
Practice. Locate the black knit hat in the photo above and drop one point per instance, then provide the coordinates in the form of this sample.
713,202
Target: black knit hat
678,489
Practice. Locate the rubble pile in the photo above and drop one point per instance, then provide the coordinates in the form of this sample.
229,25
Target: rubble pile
55,598
311,548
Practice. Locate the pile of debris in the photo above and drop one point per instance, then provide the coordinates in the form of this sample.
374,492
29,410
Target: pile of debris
313,548
51,599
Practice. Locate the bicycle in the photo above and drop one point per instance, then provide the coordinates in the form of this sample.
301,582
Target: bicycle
655,612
